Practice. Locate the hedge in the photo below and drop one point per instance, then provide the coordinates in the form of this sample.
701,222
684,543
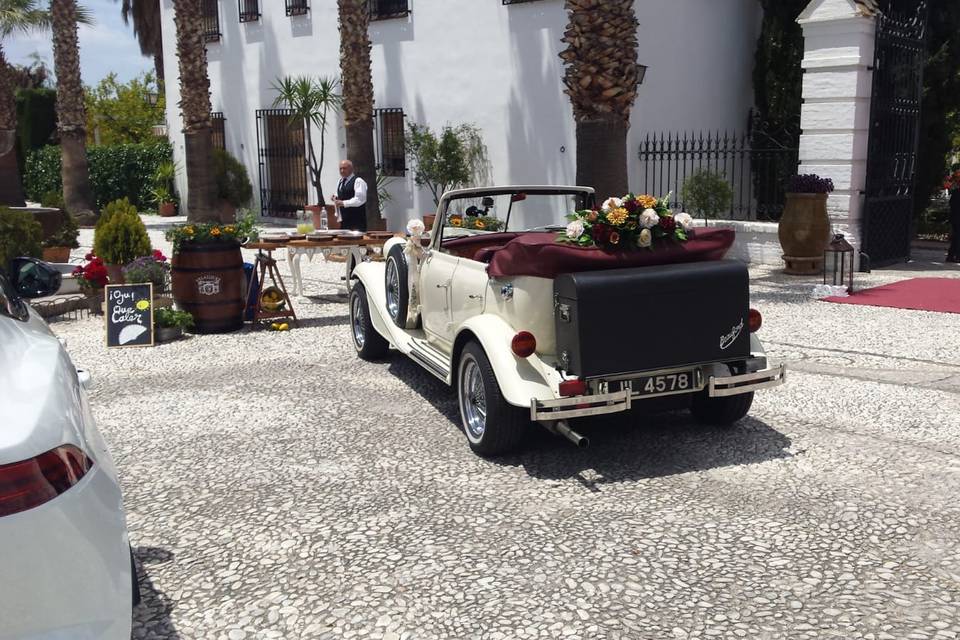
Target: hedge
116,171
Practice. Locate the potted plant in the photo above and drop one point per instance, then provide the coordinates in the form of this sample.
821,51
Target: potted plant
162,191
169,323
312,102
233,186
20,235
92,277
120,238
56,248
154,269
207,274
804,229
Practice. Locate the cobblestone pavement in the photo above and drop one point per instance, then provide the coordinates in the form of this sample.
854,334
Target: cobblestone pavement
278,487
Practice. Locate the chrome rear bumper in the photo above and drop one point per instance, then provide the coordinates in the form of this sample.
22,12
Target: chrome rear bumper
622,400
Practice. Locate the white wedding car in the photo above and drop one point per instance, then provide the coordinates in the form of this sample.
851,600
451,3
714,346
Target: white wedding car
528,329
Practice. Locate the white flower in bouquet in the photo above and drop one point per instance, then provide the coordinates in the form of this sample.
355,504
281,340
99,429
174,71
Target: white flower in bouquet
612,203
416,227
575,229
645,239
649,219
685,220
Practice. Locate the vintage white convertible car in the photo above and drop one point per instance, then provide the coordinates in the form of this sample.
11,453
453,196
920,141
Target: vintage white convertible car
528,329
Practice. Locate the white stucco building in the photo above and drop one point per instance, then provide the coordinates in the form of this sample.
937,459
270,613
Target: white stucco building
493,63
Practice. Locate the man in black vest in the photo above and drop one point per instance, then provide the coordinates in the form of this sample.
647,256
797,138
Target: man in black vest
351,199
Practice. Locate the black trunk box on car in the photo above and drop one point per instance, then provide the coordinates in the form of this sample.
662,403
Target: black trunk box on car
648,318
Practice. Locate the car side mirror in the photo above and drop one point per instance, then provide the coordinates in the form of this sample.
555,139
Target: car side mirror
33,278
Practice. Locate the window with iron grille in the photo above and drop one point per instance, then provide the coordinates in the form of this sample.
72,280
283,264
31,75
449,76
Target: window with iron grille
386,9
297,7
211,20
249,10
283,164
218,130
391,150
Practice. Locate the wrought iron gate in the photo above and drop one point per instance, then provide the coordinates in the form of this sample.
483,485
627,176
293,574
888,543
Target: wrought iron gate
283,164
894,135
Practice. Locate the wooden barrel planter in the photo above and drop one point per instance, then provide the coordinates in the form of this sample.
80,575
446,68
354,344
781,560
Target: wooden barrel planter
208,281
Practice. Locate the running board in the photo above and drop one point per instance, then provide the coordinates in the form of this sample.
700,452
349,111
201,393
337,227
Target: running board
430,359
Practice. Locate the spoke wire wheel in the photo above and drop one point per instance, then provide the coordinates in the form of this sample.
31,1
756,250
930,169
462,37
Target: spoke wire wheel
357,322
473,399
393,289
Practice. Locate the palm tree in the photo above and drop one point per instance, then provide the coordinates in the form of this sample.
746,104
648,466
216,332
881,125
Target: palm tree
145,15
358,97
15,16
71,112
195,109
602,77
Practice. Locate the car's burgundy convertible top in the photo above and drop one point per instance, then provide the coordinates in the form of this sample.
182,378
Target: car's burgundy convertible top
539,254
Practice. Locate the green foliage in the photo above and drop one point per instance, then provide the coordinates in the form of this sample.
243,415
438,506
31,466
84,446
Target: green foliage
66,234
447,161
122,237
707,193
36,120
383,190
233,185
243,230
53,200
122,111
20,235
120,171
169,317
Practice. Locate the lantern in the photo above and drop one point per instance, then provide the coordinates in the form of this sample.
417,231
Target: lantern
838,263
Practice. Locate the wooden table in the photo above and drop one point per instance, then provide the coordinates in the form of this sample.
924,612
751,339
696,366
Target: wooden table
296,249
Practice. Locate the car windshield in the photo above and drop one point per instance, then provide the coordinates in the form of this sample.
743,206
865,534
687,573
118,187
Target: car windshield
515,212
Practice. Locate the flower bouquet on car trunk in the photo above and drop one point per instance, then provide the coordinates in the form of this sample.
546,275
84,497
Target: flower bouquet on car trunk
630,222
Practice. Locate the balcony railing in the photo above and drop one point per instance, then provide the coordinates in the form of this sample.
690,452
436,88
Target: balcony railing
297,7
386,9
249,10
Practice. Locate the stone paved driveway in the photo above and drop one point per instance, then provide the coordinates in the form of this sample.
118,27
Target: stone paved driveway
277,487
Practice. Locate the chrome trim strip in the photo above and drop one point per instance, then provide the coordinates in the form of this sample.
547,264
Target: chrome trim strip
735,385
555,409
429,364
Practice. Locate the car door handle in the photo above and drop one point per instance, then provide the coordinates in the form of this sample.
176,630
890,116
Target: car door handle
444,285
475,297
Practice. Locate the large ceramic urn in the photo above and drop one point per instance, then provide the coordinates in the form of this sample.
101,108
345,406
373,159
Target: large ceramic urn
804,232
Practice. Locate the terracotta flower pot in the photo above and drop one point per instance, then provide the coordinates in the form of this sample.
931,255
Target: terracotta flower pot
804,232
167,209
115,273
56,254
428,220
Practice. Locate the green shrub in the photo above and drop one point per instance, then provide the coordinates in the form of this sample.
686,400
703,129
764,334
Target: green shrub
66,234
167,317
116,171
707,193
233,185
36,120
20,235
122,237
53,200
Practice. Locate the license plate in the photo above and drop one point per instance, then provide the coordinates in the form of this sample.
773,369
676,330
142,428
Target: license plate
678,382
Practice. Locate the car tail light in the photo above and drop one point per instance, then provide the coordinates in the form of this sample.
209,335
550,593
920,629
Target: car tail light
755,320
524,344
30,483
575,387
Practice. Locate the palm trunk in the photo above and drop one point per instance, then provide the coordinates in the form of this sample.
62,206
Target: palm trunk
358,102
602,156
195,109
71,113
11,193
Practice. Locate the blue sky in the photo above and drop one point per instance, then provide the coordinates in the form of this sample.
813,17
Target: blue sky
108,45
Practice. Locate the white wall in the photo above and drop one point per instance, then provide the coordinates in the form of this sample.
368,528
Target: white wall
454,61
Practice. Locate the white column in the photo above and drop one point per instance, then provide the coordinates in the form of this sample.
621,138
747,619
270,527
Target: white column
839,37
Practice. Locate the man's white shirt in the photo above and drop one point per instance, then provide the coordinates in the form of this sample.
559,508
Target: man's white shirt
359,192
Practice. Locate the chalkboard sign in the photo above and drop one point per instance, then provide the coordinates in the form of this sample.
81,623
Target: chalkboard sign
129,315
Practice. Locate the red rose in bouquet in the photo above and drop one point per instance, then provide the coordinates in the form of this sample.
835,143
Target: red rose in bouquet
668,224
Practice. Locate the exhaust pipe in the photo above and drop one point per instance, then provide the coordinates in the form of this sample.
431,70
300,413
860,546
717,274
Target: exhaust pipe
562,428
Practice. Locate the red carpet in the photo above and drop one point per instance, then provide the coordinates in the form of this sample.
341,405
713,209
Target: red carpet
925,294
